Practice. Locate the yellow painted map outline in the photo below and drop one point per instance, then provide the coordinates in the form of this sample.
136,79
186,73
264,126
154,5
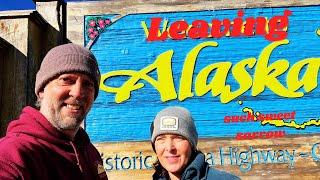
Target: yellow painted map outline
281,122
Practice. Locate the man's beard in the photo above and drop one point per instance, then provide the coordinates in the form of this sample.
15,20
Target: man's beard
53,112
72,123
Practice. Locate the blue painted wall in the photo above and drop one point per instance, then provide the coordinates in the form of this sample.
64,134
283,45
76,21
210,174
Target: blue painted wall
123,46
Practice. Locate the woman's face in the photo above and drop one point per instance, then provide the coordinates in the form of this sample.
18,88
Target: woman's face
173,152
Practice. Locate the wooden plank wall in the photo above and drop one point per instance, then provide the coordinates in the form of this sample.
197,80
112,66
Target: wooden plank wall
27,42
14,69
3,52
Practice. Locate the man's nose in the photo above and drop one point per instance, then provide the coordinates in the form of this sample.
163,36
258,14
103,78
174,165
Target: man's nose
77,91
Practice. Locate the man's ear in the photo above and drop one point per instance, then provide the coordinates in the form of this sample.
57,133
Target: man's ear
41,94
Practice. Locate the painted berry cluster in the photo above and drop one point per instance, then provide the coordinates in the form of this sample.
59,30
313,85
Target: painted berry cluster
95,26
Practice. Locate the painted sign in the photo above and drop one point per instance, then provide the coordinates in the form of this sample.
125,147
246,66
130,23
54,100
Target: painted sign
244,74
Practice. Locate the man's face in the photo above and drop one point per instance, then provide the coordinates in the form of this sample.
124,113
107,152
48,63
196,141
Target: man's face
66,100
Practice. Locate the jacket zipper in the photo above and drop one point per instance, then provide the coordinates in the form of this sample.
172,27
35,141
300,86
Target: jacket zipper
77,156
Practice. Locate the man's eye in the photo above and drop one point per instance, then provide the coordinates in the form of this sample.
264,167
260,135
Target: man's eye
65,81
89,84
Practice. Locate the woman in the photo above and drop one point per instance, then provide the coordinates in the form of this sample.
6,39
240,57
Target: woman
174,139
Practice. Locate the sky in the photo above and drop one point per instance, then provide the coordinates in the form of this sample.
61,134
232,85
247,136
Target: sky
20,4
16,4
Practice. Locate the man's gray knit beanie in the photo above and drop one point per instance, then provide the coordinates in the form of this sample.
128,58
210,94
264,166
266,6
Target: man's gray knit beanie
175,120
67,58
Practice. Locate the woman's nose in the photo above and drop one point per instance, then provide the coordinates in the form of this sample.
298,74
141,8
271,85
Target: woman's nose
169,145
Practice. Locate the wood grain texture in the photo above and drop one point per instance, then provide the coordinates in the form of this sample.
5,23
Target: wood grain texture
77,10
123,46
14,31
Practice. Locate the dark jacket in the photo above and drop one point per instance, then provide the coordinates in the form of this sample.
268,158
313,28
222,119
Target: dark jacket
198,169
33,149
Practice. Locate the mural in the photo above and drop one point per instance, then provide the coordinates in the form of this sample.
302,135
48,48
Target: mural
246,75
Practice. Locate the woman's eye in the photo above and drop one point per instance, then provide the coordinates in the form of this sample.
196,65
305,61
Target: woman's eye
160,139
179,138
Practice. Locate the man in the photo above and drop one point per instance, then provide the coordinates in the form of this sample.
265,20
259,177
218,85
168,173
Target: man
49,143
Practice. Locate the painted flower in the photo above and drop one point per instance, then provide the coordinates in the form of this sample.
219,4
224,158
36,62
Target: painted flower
107,21
100,21
92,36
95,33
101,26
90,30
92,23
